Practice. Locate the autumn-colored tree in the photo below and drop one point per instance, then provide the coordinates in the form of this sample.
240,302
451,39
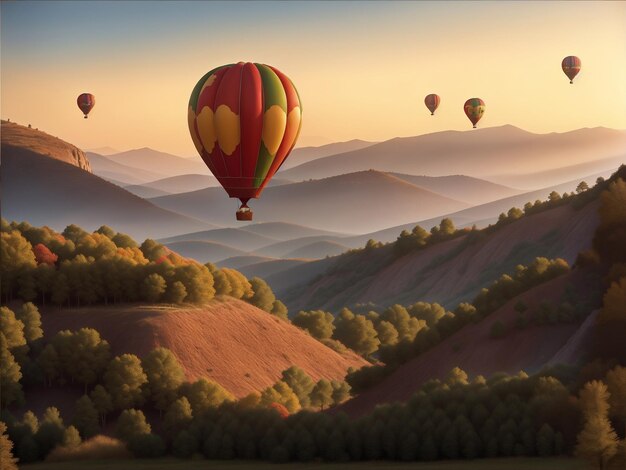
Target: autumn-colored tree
281,393
11,328
457,376
153,287
17,257
616,385
176,292
279,310
10,375
43,255
29,315
7,461
262,296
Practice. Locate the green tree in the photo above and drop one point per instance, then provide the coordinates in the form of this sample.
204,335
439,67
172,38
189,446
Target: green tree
406,325
29,315
6,446
51,431
318,323
300,382
341,391
279,309
153,287
614,303
204,394
185,445
131,423
356,332
177,417
554,196
10,375
11,328
17,257
124,379
86,417
176,292
387,333
165,375
582,187
545,441
146,446
263,297
49,363
322,394
102,401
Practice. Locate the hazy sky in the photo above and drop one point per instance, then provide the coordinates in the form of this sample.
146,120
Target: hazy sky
362,68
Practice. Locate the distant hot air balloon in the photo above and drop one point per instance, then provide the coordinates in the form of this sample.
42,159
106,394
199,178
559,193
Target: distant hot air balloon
86,102
432,102
474,109
244,120
571,66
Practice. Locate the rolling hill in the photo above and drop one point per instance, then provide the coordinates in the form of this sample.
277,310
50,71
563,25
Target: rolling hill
229,341
473,350
266,268
286,231
343,203
164,164
448,272
302,155
118,173
204,251
235,238
15,136
482,153
175,184
44,190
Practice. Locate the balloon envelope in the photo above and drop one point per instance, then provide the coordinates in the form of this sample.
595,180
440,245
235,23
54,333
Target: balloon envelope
86,102
432,102
571,66
244,120
474,109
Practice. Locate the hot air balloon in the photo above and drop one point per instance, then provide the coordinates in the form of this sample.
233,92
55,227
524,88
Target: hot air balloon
474,109
244,120
432,102
571,66
86,102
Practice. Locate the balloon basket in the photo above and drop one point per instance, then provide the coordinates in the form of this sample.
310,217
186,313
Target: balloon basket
244,215
85,117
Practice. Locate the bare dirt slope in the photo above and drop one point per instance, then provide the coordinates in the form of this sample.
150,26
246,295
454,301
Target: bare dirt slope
454,271
474,351
228,341
15,135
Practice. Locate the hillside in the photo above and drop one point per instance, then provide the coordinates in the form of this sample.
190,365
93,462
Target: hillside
228,341
266,268
473,350
301,155
285,231
118,173
235,238
447,272
470,190
318,249
204,251
342,203
46,191
21,137
481,153
176,184
159,162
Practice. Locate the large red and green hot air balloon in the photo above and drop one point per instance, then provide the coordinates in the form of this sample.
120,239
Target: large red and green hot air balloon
244,120
474,109
571,66
432,102
86,102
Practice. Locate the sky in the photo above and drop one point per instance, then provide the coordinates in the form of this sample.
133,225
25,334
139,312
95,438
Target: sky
362,69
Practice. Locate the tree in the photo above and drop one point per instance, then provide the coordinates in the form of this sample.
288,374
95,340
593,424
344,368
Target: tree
17,257
446,227
341,391
43,255
457,376
146,445
594,398
406,325
11,328
106,231
71,437
554,196
49,363
153,287
10,375
282,394
597,441
322,394
29,315
387,333
124,379
51,431
176,292
263,297
545,441
185,445
616,384
86,417
131,423
582,187
102,401
318,323
300,382
165,375
6,455
614,303
204,394
177,417
279,309
356,332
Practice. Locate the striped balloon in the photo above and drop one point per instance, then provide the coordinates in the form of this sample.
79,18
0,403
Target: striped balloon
432,102
571,66
86,102
244,120
474,109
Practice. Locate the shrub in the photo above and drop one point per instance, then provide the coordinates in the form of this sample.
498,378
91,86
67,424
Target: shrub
97,448
147,446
